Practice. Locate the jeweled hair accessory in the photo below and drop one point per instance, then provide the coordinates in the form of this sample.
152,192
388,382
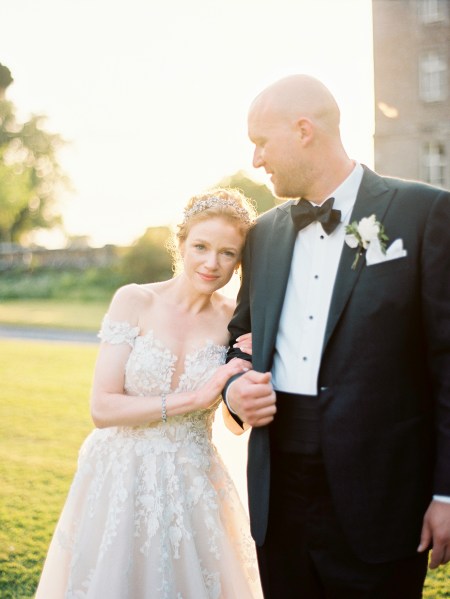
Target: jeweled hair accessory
214,202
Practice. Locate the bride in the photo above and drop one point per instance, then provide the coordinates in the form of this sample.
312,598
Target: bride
152,512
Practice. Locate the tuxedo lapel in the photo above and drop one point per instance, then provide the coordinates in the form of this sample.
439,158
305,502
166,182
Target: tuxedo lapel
280,246
373,197
270,283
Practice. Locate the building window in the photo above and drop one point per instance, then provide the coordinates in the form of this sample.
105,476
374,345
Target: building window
433,78
433,163
432,11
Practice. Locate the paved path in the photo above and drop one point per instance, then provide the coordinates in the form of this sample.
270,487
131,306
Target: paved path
36,333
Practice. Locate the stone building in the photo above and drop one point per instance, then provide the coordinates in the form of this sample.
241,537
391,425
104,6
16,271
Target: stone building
16,257
412,89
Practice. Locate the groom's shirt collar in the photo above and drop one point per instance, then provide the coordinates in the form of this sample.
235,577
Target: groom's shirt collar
345,194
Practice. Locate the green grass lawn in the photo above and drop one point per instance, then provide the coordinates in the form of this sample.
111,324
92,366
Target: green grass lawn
44,417
85,316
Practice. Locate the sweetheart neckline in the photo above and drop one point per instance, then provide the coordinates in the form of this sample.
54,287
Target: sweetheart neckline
110,322
176,359
207,343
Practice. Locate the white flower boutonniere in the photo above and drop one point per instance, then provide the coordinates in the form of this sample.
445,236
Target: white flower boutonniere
359,235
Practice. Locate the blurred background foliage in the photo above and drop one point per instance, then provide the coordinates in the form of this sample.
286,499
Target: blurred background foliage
31,184
31,177
148,259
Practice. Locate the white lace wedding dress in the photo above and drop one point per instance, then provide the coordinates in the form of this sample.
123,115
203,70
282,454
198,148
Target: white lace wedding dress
152,512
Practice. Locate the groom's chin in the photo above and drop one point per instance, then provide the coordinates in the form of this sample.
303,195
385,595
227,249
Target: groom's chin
277,192
282,195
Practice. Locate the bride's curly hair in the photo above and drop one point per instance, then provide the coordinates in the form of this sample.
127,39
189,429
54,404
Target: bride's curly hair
228,203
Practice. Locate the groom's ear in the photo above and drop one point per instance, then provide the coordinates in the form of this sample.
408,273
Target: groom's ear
305,130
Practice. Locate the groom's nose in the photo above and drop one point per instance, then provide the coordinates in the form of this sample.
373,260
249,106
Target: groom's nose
257,158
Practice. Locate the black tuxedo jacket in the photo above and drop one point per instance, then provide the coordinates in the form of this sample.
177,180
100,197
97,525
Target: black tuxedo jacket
384,378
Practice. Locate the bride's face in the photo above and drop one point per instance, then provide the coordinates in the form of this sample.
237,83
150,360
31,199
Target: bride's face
211,252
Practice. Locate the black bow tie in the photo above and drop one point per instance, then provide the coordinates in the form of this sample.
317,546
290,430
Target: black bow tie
303,214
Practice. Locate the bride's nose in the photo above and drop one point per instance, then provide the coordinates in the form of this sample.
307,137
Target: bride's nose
211,261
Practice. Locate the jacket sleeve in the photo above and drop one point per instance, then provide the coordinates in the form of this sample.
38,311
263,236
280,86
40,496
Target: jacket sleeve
241,320
240,324
436,310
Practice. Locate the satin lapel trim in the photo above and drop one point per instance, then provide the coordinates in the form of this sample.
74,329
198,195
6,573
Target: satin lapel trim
280,247
373,197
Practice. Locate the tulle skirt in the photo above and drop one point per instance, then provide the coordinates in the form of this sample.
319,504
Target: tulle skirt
151,515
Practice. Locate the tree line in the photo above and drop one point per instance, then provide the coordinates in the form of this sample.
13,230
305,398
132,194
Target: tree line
32,180
30,175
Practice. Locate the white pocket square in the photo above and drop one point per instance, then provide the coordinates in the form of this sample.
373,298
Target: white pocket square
375,255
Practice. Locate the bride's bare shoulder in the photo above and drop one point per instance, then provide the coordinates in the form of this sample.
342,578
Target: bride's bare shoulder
129,301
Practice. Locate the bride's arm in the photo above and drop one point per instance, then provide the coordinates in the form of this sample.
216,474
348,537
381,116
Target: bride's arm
110,406
244,343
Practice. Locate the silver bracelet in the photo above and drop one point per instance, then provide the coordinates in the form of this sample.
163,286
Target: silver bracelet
163,407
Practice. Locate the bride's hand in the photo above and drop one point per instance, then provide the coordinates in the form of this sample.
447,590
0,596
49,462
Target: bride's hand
244,343
207,394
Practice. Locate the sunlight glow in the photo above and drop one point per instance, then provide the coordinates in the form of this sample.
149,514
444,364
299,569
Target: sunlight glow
389,111
153,97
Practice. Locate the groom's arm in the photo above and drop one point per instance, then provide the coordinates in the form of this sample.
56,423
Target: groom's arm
250,398
240,324
436,308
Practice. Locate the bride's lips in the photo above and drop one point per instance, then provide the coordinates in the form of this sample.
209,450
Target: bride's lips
206,277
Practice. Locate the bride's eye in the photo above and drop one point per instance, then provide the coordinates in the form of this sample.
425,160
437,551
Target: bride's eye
199,246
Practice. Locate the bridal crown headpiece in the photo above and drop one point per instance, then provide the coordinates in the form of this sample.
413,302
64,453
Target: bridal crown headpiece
216,202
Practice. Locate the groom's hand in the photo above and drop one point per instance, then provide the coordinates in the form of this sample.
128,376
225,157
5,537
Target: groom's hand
436,533
252,398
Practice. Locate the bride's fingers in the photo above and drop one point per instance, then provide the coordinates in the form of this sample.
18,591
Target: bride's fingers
226,371
244,343
236,365
245,337
246,349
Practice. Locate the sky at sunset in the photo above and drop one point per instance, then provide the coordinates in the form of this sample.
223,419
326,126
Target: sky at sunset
152,96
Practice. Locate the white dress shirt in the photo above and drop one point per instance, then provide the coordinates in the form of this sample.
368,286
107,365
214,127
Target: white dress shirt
315,261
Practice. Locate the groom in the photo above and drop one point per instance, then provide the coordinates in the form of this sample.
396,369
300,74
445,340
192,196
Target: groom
349,396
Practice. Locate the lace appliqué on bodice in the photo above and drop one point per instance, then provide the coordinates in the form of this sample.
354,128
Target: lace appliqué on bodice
117,332
151,364
155,498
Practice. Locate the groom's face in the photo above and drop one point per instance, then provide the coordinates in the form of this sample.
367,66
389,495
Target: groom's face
278,149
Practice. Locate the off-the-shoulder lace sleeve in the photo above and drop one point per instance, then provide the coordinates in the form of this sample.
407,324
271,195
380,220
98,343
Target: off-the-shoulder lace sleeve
117,332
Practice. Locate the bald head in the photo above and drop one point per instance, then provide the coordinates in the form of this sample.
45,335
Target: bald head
294,127
300,96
